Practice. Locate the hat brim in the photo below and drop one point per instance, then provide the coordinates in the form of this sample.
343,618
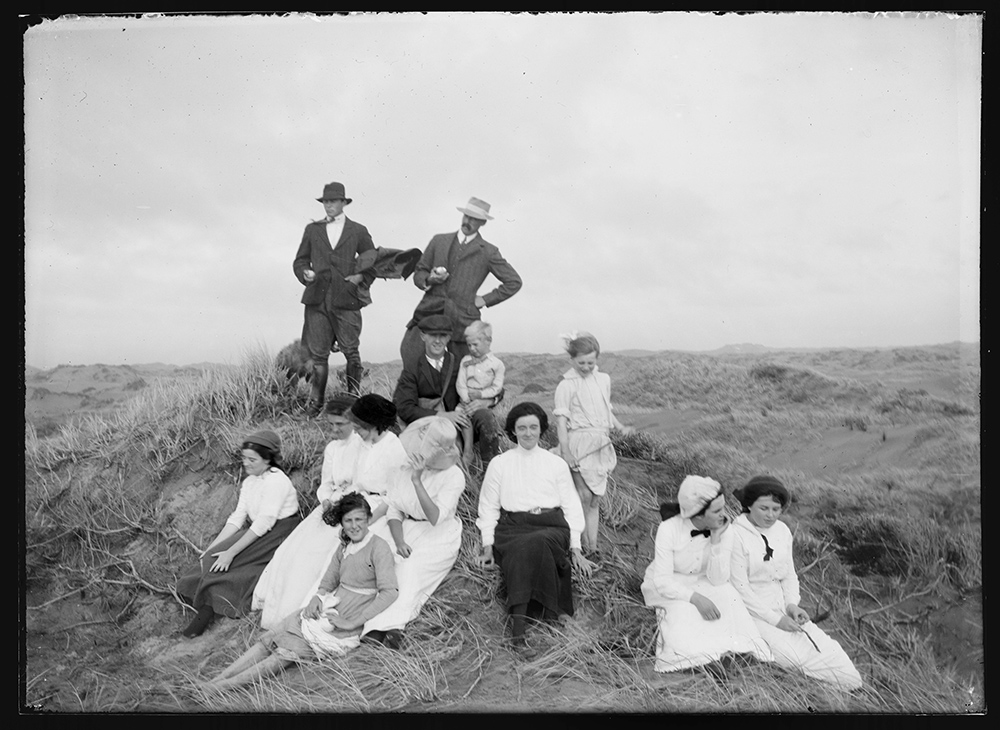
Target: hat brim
436,332
347,201
478,214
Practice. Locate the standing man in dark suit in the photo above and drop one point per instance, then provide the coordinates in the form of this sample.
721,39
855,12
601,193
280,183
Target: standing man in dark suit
326,265
450,272
426,387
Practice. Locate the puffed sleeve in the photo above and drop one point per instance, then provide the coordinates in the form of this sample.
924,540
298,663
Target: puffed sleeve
489,500
385,579
277,492
564,394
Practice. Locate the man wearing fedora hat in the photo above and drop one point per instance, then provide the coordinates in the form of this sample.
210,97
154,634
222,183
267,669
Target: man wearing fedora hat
326,263
450,272
426,387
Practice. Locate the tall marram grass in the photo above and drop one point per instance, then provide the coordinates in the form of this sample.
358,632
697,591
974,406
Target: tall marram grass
96,519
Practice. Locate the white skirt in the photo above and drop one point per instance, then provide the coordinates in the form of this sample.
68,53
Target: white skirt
435,550
684,639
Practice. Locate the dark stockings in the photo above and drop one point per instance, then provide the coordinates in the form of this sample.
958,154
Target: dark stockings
200,622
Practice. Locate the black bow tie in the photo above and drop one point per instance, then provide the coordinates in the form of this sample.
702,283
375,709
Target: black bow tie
768,550
706,533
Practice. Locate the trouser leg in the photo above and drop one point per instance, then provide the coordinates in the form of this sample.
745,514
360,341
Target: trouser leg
320,374
347,332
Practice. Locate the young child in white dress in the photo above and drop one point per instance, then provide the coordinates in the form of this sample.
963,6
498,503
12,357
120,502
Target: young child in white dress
583,422
480,378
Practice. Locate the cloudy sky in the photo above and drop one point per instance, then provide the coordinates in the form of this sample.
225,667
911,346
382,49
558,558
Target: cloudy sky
671,181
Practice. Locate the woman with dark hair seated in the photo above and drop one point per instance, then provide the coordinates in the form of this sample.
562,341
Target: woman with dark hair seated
228,570
700,615
359,582
531,519
764,574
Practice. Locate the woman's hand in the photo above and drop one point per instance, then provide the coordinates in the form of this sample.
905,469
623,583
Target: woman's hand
223,561
717,532
798,615
582,564
706,608
574,464
417,465
786,623
314,609
403,549
485,558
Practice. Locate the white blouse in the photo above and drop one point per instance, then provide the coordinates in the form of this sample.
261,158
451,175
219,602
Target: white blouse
340,460
766,586
444,486
379,465
523,480
584,401
680,558
265,500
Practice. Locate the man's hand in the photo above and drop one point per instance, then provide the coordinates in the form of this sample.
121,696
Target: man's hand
437,277
309,275
479,302
355,279
458,418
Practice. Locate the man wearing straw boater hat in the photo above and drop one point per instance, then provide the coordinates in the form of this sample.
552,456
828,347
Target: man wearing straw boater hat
326,264
450,272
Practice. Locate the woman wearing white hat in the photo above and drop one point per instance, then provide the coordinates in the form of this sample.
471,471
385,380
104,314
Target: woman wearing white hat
421,523
701,617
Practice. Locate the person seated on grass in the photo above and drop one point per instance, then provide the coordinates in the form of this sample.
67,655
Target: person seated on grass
359,583
480,379
422,522
224,579
701,618
763,573
530,520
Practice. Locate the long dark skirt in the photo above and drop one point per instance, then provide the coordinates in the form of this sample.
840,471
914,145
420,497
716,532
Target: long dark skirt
230,592
533,553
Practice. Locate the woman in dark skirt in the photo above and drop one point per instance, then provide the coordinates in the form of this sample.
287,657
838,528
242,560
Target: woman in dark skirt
530,519
224,579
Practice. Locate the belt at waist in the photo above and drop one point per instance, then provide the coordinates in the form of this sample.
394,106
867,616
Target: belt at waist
358,589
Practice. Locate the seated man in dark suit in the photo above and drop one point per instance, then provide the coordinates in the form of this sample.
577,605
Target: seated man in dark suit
426,387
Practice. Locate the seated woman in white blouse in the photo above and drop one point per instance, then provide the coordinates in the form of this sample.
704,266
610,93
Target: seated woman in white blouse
700,615
531,519
421,523
764,574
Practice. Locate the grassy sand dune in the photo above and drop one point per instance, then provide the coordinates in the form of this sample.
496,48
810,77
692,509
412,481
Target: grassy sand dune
888,542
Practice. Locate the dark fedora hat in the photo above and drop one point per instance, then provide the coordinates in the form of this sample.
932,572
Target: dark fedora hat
436,324
334,191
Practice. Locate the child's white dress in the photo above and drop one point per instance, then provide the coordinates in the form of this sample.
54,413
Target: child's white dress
586,404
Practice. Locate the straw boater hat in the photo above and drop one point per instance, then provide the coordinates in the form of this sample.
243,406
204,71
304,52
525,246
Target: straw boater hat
477,209
335,191
434,438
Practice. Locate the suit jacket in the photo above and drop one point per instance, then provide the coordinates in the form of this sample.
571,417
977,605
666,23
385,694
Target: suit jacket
331,264
467,271
421,380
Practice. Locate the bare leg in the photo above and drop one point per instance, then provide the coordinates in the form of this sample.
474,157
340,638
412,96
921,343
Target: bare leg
269,667
591,512
254,655
467,437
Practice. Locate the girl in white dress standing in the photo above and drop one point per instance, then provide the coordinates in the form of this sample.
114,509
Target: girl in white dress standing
300,560
583,422
701,617
764,574
422,523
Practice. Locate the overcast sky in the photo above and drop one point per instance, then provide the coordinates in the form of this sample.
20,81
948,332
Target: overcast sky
671,181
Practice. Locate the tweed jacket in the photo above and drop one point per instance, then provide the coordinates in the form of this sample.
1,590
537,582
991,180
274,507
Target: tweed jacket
467,271
423,381
332,264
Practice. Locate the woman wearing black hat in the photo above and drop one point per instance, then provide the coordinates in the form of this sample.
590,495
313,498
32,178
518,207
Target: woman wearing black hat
383,456
224,579
764,575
